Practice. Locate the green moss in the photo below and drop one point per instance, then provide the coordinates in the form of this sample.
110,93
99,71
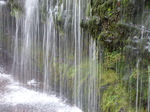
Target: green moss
104,22
115,96
16,8
111,60
108,77
114,99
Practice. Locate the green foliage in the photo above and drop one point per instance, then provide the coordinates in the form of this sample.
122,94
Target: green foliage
88,10
147,4
104,22
119,94
113,93
128,9
16,8
111,60
114,99
108,77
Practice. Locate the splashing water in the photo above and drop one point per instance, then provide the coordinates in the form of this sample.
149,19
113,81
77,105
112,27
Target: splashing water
14,96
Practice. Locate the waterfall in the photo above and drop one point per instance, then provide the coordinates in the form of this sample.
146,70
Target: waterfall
137,85
93,77
149,89
25,40
50,48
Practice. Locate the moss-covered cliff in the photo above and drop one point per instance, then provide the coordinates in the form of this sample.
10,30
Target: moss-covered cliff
114,24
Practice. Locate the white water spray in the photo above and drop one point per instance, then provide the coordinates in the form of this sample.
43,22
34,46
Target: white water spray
15,95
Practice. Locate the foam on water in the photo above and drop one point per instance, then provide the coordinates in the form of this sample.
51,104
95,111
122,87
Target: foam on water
20,95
